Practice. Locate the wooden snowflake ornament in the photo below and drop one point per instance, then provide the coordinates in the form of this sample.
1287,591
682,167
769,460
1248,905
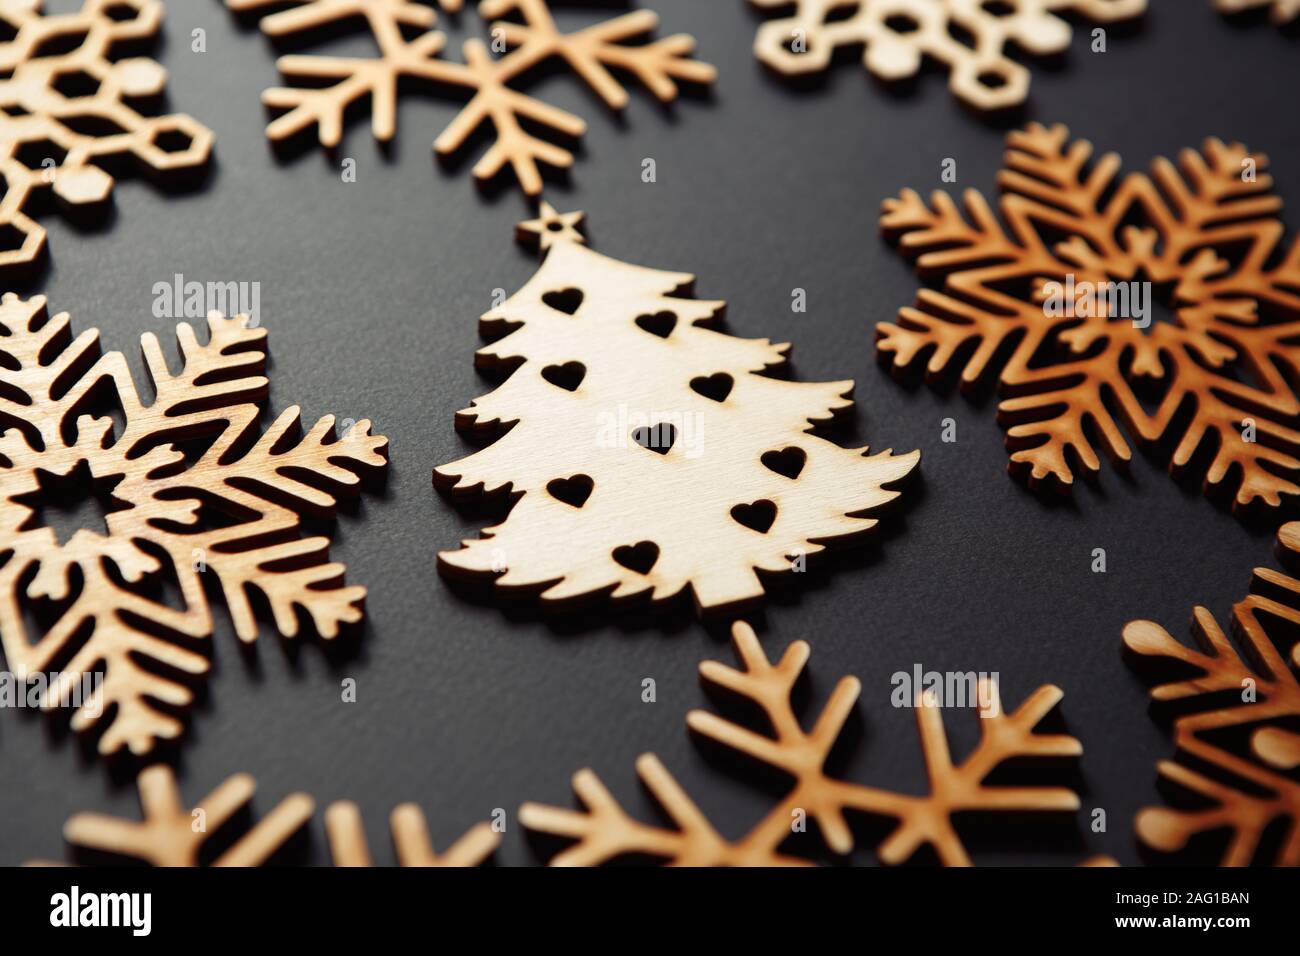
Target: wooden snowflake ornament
64,114
1238,707
1032,300
171,835
648,452
409,48
93,599
897,35
1282,11
411,840
602,831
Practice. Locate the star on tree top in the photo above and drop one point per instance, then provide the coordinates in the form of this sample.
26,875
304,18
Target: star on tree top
550,227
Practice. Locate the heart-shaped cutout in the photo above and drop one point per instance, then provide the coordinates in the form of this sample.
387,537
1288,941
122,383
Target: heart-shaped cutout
660,324
567,301
573,491
639,557
756,516
656,438
788,461
716,386
567,376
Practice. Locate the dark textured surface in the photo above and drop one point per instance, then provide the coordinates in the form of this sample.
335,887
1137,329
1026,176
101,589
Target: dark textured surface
371,293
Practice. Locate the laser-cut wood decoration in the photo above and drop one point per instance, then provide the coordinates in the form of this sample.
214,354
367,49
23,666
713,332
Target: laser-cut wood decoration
1282,11
603,831
156,528
532,38
1076,378
969,37
649,453
1238,707
171,835
63,111
410,839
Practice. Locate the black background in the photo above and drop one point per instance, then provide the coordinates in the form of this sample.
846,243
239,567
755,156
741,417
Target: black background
371,292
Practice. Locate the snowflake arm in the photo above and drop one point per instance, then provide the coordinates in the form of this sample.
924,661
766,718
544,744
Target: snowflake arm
171,836
358,78
603,831
217,379
1250,695
504,108
1282,11
940,324
168,836
309,477
414,848
1245,815
385,17
124,702
262,485
591,51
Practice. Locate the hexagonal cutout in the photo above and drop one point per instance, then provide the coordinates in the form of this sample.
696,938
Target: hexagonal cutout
172,140
121,12
34,155
902,24
60,43
11,238
75,84
998,8
91,125
961,35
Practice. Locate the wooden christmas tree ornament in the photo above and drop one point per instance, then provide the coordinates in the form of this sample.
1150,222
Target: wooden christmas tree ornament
95,599
648,452
63,113
1236,730
409,48
969,37
603,831
1045,299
